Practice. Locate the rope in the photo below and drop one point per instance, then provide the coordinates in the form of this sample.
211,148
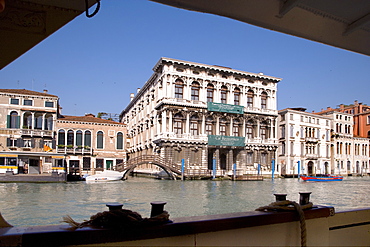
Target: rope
291,206
87,8
119,219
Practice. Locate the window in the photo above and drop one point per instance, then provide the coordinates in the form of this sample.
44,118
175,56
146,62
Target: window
99,140
14,101
179,89
291,131
223,95
209,126
38,121
249,158
119,140
283,148
210,89
195,91
87,140
263,131
236,96
250,95
264,100
61,137
236,128
48,122
100,163
86,163
49,104
249,130
11,142
223,131
368,119
194,125
177,124
263,158
27,143
78,138
70,137
13,120
27,102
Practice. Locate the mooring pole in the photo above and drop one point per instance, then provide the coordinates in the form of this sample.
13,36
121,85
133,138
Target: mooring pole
182,168
214,169
272,168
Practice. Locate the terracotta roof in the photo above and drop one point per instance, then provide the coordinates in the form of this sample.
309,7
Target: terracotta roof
25,91
88,119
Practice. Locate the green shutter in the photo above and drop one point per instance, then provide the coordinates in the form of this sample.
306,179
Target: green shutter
17,124
8,121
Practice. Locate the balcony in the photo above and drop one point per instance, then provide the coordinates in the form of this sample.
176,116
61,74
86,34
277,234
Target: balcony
74,150
312,156
36,132
311,139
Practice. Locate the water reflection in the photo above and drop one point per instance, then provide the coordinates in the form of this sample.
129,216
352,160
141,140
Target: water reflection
40,204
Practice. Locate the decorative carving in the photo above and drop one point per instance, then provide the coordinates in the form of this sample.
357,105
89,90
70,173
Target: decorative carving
18,19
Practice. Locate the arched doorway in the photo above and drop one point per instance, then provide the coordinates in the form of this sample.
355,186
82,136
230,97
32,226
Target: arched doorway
310,168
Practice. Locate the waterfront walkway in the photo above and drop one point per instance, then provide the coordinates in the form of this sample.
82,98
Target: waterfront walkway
39,178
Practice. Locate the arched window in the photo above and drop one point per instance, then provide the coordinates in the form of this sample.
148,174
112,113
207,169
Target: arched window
48,122
119,140
194,125
177,124
263,100
224,94
209,126
61,137
236,96
87,139
100,140
250,95
179,89
263,131
210,90
27,120
13,120
38,121
78,138
195,91
70,137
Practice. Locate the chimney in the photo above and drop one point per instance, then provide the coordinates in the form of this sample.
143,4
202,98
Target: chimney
89,115
138,90
132,95
341,106
45,91
356,102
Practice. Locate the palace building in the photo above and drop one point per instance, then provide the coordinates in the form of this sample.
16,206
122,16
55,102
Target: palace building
206,117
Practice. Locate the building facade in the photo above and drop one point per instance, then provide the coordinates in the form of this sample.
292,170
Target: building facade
305,143
349,153
90,144
206,117
27,132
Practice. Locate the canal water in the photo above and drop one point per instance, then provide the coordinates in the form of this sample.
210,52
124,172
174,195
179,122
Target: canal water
29,204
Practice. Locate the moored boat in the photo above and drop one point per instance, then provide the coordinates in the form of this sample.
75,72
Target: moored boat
321,179
105,176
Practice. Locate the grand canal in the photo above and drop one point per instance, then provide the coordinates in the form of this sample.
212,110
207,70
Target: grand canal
28,204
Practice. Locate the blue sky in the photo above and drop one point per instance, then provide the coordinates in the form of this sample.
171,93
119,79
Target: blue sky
94,64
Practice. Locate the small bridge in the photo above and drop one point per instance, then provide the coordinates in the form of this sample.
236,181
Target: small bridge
172,170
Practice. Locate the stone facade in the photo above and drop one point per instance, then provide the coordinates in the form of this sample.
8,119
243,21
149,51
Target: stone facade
27,131
90,144
184,105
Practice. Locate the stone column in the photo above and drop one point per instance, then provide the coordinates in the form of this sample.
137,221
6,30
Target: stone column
203,130
170,122
164,121
187,123
217,125
230,160
231,127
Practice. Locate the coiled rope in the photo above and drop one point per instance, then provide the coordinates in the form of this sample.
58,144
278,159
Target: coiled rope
291,206
118,219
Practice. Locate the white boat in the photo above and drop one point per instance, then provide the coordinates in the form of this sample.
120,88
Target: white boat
105,176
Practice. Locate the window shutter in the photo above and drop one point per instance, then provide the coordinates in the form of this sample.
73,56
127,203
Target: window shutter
8,121
17,124
53,144
19,143
41,143
32,142
8,142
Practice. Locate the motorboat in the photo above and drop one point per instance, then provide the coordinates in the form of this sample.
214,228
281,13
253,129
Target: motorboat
105,176
321,178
